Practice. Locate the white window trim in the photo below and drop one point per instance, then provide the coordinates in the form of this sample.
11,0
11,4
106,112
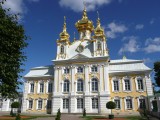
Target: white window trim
130,81
143,81
141,97
63,86
115,79
47,86
91,85
118,98
94,71
32,104
129,97
77,85
29,88
42,103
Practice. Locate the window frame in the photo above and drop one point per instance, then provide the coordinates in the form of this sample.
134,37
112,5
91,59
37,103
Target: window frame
80,103
118,107
99,45
66,71
128,86
40,104
94,85
80,70
94,69
117,85
141,86
66,86
95,104
65,103
62,49
129,103
49,104
30,104
50,87
31,87
41,87
80,86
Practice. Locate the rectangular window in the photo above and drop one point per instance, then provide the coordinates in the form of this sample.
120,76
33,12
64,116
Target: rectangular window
41,87
39,104
94,69
79,103
50,87
127,85
79,85
32,88
49,104
65,103
142,103
117,101
116,85
94,103
66,71
30,104
129,103
140,84
80,70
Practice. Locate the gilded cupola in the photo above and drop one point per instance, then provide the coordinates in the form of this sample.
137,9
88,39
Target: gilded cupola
84,24
64,36
99,31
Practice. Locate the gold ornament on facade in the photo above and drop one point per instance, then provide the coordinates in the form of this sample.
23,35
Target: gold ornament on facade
99,31
84,24
64,36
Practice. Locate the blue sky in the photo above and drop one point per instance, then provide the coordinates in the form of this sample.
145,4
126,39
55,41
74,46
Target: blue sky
131,26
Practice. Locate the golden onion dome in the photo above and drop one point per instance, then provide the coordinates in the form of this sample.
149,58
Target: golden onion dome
64,34
99,31
84,23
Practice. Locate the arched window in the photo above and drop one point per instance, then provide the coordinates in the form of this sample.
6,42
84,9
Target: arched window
62,49
94,84
80,70
66,86
80,85
99,47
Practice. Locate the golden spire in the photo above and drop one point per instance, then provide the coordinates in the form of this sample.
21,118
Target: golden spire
64,34
84,11
99,30
64,25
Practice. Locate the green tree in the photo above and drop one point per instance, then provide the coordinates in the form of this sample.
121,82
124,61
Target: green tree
58,116
111,105
157,72
12,44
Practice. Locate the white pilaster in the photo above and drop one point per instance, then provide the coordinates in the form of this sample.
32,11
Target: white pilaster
86,80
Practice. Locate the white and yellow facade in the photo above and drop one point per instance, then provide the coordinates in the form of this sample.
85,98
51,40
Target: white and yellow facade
83,76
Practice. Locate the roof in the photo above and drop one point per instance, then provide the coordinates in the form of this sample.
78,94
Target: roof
42,71
127,65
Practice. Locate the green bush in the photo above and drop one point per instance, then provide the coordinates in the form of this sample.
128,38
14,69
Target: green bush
15,105
111,105
18,117
84,112
58,116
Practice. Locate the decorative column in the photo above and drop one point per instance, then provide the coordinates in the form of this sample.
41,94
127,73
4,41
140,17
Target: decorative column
106,79
72,80
86,80
101,79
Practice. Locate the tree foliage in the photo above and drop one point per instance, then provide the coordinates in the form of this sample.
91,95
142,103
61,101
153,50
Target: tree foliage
111,105
15,105
12,44
157,72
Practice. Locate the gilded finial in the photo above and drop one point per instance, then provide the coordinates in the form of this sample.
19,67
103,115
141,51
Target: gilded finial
84,11
124,57
84,3
98,20
64,25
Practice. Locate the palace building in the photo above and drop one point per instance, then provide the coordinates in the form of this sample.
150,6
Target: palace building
83,76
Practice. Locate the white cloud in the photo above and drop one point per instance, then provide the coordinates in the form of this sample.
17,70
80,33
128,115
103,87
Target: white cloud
114,29
34,0
16,6
152,45
132,45
77,5
139,26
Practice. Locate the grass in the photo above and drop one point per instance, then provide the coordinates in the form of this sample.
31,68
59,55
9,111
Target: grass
135,118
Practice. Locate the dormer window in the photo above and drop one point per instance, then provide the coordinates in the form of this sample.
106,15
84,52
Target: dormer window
66,71
94,69
62,49
79,70
99,47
